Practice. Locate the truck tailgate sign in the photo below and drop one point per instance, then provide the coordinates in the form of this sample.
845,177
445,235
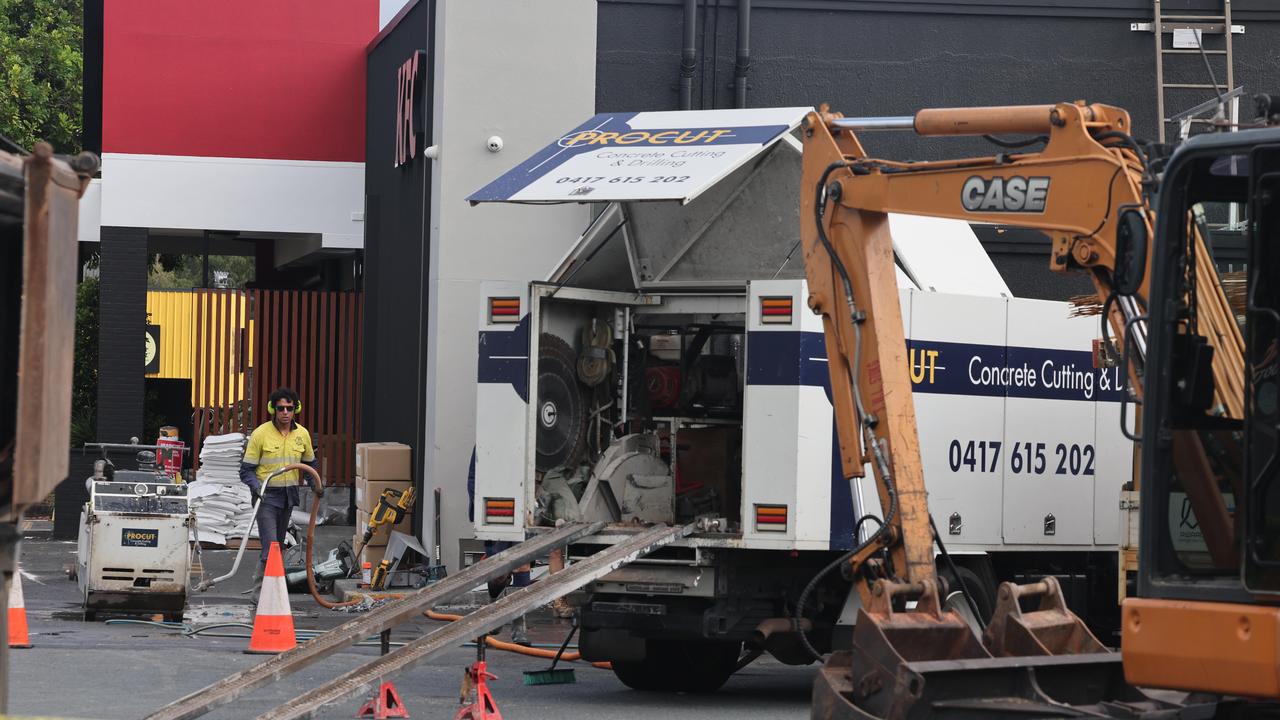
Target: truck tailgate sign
672,155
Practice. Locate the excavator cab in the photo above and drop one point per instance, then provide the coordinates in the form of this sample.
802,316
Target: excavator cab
1207,612
1262,409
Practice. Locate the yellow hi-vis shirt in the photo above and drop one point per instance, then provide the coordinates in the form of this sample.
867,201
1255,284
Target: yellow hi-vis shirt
270,451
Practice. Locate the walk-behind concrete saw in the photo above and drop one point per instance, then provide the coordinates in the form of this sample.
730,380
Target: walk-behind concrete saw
134,553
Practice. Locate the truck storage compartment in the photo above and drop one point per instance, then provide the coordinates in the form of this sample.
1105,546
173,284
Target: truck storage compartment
638,413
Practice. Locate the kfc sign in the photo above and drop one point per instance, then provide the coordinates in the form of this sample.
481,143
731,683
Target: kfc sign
408,105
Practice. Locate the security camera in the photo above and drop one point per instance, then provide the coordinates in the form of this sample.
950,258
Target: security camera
494,144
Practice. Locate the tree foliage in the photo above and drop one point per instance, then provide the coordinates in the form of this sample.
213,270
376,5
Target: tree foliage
41,72
84,387
182,272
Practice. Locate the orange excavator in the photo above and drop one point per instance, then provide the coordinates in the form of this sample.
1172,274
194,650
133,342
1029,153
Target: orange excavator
1203,359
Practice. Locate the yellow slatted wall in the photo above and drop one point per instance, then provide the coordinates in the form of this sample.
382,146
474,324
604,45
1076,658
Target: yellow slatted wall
175,311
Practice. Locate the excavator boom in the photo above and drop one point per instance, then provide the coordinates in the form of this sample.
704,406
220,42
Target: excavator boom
1086,188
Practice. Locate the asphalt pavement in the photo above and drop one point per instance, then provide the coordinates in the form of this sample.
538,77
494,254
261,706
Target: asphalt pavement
111,669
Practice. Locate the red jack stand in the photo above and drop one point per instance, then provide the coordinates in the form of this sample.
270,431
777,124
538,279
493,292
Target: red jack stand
475,678
386,705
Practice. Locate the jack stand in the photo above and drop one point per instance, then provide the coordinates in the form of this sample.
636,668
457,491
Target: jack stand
387,704
475,678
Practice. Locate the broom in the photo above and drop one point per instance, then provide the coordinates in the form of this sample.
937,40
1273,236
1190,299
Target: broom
552,676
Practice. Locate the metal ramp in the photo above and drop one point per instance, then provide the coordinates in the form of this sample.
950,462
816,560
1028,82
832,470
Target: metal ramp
398,611
367,677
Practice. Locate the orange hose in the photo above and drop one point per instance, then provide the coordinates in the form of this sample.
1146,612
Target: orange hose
497,644
311,537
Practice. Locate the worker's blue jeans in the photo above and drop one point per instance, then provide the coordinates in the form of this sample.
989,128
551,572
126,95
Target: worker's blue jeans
273,518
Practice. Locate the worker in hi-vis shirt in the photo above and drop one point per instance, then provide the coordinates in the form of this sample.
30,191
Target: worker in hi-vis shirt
274,444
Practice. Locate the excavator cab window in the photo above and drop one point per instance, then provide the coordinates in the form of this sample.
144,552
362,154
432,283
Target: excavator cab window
1194,449
1262,342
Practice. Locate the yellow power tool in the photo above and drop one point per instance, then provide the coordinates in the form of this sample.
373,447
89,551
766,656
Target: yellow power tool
391,508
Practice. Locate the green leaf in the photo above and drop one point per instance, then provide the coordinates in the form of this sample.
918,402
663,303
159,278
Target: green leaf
41,72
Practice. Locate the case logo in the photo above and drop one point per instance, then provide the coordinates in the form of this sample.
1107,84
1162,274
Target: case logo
1001,194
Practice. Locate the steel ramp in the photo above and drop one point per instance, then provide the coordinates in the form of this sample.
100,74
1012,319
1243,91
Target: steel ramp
368,677
375,621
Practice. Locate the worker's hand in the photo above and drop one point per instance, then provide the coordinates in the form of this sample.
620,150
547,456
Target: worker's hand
317,488
255,492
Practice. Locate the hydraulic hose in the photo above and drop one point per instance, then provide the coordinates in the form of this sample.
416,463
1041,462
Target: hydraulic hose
497,644
311,536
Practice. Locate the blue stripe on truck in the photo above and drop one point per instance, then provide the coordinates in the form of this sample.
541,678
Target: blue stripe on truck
504,357
788,358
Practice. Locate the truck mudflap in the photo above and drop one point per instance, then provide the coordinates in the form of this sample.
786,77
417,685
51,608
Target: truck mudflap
927,663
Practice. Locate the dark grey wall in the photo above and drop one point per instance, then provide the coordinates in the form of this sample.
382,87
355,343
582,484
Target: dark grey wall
396,245
122,313
892,58
868,57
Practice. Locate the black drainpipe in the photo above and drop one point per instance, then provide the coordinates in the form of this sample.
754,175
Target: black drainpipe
744,54
688,55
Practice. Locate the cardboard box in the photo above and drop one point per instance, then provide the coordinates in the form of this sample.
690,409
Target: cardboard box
372,554
383,461
368,491
383,533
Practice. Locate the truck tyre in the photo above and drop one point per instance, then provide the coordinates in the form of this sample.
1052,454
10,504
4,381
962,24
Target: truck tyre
980,590
694,666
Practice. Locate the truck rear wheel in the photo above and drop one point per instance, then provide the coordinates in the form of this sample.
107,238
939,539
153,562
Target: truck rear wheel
981,591
698,666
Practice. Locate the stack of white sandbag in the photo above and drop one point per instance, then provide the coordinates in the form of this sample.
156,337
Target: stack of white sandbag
221,502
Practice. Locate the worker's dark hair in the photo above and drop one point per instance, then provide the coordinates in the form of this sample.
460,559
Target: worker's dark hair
279,394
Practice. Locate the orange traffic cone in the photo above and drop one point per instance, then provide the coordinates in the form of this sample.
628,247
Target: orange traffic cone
273,623
17,614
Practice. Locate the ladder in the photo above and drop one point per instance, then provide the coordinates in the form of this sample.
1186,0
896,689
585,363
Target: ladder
1193,27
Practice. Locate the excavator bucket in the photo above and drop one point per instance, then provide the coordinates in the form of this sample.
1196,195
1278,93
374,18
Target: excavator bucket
874,678
1050,630
926,663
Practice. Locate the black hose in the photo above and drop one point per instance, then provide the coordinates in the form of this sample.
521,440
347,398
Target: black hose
964,589
798,615
1015,144
867,423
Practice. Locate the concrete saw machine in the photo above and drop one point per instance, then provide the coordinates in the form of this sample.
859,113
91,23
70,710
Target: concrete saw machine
134,554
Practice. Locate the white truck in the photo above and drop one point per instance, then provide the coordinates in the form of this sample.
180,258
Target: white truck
669,370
